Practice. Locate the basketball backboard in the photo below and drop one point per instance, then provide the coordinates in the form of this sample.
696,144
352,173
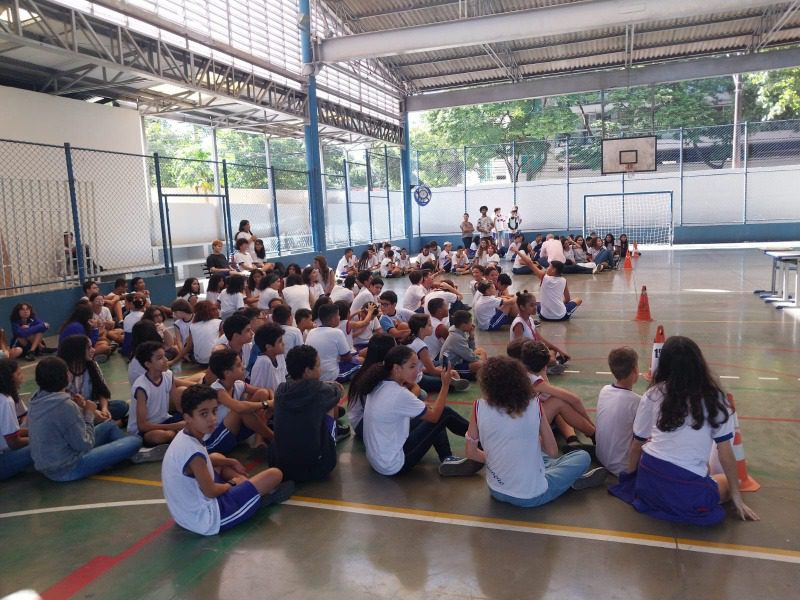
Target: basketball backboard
630,154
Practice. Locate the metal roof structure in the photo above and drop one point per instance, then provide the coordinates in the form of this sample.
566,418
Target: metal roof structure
237,63
437,46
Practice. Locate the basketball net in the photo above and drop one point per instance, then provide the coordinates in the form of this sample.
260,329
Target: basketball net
630,170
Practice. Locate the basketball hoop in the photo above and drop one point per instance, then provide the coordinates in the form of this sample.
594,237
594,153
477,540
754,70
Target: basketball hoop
630,170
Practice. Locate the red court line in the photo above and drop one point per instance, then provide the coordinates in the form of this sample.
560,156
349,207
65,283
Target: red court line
742,417
97,567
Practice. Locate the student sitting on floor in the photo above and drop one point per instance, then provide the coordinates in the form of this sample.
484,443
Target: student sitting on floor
15,451
378,346
208,493
269,370
248,405
334,351
305,419
491,312
304,321
680,417
399,428
65,444
292,336
562,408
238,336
459,348
27,331
393,320
460,262
344,291
412,299
429,375
555,302
524,327
522,463
616,410
152,395
347,264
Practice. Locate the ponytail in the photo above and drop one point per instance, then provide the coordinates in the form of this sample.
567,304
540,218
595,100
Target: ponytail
524,297
379,372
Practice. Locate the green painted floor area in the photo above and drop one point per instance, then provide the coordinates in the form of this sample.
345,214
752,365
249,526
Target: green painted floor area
361,535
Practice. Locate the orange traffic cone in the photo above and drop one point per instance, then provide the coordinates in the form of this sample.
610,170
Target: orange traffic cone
658,344
628,264
643,312
636,253
746,483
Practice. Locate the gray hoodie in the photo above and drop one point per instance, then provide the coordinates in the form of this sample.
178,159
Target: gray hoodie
459,347
60,432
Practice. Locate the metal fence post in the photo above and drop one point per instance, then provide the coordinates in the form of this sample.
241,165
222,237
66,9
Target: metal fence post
227,204
388,203
419,210
744,201
680,171
514,171
347,202
369,194
73,200
566,166
274,194
166,248
465,177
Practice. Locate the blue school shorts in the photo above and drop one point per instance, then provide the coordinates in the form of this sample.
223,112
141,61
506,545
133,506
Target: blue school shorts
237,505
224,440
498,320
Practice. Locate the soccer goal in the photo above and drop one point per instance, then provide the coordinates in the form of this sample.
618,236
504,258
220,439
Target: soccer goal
646,217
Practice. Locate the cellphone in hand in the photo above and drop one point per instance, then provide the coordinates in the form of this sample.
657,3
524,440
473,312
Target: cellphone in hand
445,363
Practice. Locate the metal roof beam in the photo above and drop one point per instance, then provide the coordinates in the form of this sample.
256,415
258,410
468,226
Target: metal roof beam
550,21
701,68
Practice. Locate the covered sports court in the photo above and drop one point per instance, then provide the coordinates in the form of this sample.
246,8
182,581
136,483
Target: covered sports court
350,71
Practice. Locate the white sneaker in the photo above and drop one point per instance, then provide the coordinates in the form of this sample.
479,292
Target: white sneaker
152,454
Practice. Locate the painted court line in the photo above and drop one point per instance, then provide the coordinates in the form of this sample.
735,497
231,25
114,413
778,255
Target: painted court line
567,531
582,533
769,378
602,372
729,377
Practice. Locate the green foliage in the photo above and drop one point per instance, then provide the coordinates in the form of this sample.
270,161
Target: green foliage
776,93
182,147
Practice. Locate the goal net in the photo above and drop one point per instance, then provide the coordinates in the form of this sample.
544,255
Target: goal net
646,217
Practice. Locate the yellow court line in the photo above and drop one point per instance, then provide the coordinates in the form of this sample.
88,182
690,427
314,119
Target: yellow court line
569,531
132,480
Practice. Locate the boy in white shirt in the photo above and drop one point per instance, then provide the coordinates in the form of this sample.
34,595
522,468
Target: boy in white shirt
445,261
412,299
500,231
426,260
347,264
269,371
388,266
555,302
329,341
492,312
292,336
403,262
368,293
393,320
460,262
344,291
208,493
616,411
241,257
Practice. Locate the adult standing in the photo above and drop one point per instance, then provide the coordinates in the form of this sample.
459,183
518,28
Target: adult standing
485,223
467,229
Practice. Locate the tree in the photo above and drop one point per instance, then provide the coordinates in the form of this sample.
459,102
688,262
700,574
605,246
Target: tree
775,93
184,150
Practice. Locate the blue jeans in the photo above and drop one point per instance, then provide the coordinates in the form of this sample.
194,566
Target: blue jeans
14,461
604,256
118,409
111,445
560,473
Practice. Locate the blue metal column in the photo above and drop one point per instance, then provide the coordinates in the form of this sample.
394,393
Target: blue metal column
166,247
369,195
405,162
311,132
73,200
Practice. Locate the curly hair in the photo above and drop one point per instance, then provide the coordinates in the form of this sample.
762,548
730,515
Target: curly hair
505,385
689,387
534,355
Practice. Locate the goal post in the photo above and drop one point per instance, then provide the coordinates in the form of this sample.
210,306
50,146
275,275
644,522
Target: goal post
645,217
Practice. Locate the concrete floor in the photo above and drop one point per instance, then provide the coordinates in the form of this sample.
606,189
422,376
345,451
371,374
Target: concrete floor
360,535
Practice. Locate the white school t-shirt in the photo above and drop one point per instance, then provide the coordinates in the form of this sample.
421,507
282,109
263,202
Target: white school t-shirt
363,336
330,343
514,462
296,296
344,264
385,266
237,392
156,400
266,375
412,299
267,295
485,309
552,250
104,316
204,338
187,504
230,303
240,258
131,319
340,292
448,297
135,370
363,297
435,343
616,411
551,297
685,447
9,424
182,327
292,336
388,411
528,328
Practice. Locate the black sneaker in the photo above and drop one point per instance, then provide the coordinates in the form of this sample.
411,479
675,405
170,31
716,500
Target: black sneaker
342,433
455,466
29,356
589,448
46,350
592,478
281,494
